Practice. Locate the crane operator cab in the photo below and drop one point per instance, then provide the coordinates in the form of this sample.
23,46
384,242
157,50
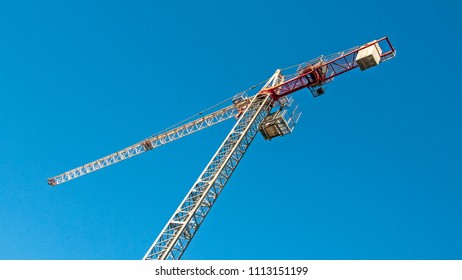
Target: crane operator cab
315,74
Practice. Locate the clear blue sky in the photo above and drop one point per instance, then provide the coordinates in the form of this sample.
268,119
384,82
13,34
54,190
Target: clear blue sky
373,170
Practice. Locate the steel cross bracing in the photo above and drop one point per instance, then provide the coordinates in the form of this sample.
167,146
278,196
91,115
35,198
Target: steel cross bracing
175,237
179,231
250,112
311,75
150,143
323,69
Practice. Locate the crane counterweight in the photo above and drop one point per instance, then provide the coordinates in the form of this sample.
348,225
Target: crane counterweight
369,57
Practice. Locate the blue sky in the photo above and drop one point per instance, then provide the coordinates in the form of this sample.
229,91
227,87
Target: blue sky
373,169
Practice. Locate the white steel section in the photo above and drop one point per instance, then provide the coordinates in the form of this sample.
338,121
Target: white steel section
148,144
179,231
181,228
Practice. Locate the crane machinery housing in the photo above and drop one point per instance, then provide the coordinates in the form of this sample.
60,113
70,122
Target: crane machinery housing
271,111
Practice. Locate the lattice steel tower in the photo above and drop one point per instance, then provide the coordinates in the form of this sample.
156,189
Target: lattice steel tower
270,111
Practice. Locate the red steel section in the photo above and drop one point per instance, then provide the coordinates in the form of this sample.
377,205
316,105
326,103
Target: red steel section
326,69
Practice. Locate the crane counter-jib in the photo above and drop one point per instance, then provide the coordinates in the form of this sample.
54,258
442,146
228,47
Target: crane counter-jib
325,68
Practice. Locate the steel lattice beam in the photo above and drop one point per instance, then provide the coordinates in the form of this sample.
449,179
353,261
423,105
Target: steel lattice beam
181,228
183,225
149,144
309,74
177,234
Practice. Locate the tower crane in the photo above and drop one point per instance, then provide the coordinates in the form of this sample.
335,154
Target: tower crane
270,111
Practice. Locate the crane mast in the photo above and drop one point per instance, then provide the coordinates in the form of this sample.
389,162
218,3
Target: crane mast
177,234
268,111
